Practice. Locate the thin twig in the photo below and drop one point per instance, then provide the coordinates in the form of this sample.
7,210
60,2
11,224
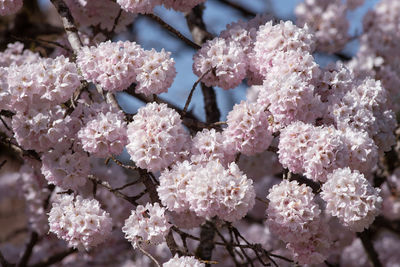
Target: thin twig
112,190
23,261
128,184
116,20
149,255
55,258
5,124
3,163
39,40
192,91
119,163
174,31
240,8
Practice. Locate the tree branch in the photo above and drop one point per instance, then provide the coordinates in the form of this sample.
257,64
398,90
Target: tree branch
4,262
174,31
200,35
68,23
240,8
28,250
55,258
365,238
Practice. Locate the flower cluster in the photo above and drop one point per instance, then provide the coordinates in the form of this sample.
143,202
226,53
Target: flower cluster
351,198
314,151
294,217
210,145
292,211
364,109
80,222
156,137
216,191
16,55
111,65
208,190
274,39
41,129
221,62
65,168
173,186
248,129
288,92
317,151
115,66
184,261
147,224
156,74
105,134
44,82
328,20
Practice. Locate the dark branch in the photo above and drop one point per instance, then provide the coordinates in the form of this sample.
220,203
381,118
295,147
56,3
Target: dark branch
28,250
192,91
240,8
369,248
55,258
4,262
174,31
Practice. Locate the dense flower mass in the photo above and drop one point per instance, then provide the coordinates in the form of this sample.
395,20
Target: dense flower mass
328,19
80,222
248,130
316,137
292,212
15,54
274,39
221,62
288,92
216,191
115,66
314,151
105,134
66,169
173,186
44,82
156,74
364,108
156,137
183,261
41,129
209,145
146,225
351,198
111,65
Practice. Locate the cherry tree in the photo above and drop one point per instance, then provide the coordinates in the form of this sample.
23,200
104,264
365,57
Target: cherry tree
304,170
